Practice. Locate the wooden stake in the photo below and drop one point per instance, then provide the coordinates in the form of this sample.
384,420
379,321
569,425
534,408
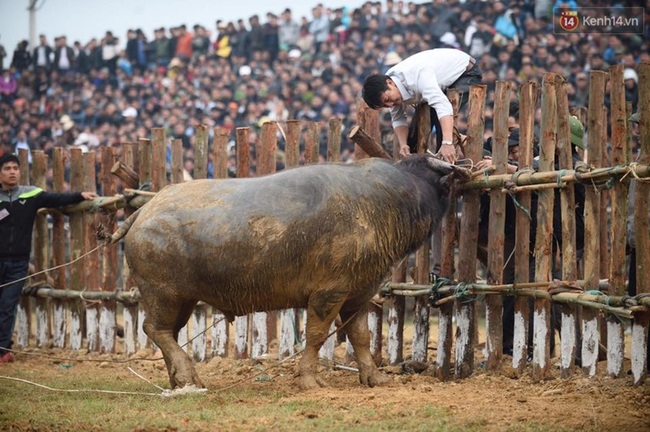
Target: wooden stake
596,128
41,250
422,265
520,345
618,217
544,235
570,331
369,146
641,324
468,238
107,310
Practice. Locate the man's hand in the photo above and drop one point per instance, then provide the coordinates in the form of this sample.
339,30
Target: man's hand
89,196
485,163
448,153
404,150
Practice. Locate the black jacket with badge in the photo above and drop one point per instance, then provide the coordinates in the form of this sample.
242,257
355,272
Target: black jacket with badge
18,207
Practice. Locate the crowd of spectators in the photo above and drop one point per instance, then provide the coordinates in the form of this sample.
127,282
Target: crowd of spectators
111,90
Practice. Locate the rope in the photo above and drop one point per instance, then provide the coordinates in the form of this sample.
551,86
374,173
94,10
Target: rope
608,299
77,390
512,184
52,268
632,168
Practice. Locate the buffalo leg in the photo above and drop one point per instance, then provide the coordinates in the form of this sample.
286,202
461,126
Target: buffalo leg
322,309
162,323
359,335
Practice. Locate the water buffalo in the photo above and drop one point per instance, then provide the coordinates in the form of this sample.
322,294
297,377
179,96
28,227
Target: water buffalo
320,237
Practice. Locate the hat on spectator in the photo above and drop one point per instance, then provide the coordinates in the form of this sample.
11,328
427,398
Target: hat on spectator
83,138
66,122
294,53
392,58
449,39
245,70
130,112
630,74
262,120
634,118
577,131
82,141
513,138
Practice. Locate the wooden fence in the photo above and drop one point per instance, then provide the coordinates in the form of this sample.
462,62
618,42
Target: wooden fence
79,305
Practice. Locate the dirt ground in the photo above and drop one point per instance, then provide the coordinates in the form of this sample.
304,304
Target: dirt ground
485,401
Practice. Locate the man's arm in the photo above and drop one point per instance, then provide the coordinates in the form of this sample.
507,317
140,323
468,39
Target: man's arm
401,132
48,199
447,149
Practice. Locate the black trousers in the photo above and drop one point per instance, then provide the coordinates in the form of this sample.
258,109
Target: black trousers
462,84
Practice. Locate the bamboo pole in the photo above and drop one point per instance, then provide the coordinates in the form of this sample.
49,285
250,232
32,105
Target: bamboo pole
597,175
544,234
468,238
570,330
618,217
496,236
521,330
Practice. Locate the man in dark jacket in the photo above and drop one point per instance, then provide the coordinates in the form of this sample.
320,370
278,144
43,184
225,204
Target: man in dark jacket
18,207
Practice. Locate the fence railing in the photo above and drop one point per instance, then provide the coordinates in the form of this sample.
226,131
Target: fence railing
80,305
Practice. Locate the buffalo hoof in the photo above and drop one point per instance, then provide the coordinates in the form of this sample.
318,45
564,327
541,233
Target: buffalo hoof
310,382
181,378
373,379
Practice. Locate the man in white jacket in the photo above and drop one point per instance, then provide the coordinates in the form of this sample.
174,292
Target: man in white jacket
423,78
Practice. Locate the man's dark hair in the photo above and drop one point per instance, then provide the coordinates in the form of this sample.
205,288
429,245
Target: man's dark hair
8,157
373,87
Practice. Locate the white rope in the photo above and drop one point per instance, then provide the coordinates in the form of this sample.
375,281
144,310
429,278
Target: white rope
78,390
52,268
